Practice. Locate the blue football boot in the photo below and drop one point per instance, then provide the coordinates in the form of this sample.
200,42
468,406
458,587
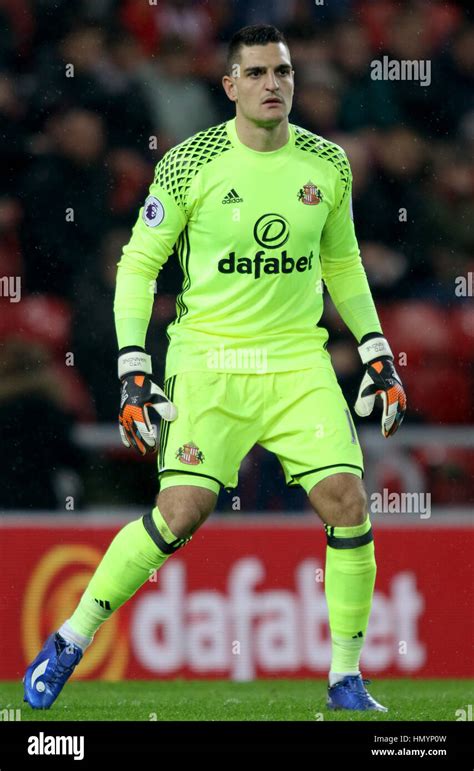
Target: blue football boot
47,674
350,693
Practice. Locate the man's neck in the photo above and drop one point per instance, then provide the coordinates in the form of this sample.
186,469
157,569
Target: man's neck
261,138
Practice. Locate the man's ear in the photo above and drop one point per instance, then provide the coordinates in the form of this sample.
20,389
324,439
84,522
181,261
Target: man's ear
229,87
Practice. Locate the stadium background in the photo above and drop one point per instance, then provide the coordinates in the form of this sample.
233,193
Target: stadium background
92,93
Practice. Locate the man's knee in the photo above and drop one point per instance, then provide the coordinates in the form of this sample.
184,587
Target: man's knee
340,500
185,508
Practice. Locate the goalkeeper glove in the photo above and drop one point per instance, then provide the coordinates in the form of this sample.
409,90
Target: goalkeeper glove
138,393
380,379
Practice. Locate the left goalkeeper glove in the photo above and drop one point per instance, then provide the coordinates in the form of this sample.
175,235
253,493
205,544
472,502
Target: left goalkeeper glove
381,379
139,393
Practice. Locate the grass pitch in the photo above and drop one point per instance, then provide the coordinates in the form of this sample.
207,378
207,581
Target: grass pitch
204,700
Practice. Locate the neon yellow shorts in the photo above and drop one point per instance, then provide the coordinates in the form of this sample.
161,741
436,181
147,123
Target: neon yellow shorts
301,416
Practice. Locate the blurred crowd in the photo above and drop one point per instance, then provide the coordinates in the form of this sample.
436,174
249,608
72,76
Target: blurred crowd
92,93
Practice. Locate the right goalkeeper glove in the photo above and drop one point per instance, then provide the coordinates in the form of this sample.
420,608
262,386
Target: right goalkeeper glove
380,380
138,393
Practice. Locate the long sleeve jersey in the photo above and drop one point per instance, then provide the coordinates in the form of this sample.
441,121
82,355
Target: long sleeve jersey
257,235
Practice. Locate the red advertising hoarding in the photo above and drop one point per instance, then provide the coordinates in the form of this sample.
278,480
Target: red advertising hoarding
240,601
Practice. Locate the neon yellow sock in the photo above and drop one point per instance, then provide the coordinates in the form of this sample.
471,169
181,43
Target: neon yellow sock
349,586
130,560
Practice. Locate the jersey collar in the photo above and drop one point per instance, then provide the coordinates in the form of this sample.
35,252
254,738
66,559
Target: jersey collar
258,155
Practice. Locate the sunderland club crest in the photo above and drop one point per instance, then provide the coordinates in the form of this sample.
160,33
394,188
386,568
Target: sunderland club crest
190,454
310,195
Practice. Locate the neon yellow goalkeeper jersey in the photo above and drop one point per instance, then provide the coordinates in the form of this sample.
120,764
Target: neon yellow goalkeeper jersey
255,234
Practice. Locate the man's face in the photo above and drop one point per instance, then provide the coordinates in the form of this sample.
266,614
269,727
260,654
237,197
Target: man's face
261,83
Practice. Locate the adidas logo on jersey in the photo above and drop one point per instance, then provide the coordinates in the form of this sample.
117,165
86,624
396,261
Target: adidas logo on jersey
232,197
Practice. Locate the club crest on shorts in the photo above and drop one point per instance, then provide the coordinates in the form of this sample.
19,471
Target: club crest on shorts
190,454
309,194
153,211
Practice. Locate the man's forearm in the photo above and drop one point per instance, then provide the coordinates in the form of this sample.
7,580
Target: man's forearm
350,293
134,293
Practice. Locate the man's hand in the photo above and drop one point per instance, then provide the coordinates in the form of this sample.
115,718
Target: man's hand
138,393
381,379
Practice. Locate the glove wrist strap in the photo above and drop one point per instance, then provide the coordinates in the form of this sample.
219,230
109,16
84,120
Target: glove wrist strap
134,361
373,349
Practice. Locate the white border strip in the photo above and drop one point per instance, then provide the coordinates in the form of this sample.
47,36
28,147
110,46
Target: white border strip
440,517
106,436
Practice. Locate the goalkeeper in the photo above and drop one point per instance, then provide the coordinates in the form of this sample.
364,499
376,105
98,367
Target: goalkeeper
258,213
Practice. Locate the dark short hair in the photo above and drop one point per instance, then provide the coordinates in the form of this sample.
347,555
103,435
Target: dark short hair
255,35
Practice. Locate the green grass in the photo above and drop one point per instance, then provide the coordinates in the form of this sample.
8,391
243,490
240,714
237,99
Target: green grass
224,700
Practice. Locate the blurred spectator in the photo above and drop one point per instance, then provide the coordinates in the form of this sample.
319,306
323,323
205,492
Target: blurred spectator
318,101
391,206
12,134
11,261
44,322
7,43
385,268
36,430
408,41
437,19
457,78
366,102
189,20
298,19
451,201
54,18
16,27
227,16
65,203
129,122
66,75
179,103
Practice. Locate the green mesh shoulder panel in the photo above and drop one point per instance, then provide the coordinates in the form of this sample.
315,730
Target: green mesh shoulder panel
312,143
179,166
